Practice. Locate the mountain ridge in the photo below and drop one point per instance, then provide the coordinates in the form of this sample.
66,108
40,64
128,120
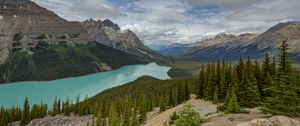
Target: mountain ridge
36,44
244,45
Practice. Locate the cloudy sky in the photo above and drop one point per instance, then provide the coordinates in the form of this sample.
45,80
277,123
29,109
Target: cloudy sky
180,21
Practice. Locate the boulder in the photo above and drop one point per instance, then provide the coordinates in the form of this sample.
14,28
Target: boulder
284,121
273,121
256,122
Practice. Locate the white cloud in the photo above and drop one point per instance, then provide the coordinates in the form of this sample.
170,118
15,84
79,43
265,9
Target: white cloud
166,21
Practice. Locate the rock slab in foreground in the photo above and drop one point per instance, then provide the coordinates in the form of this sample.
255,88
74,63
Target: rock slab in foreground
62,121
273,121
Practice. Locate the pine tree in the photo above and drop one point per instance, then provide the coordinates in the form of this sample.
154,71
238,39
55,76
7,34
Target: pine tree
35,112
186,92
259,78
266,65
25,119
231,103
211,82
216,95
55,109
269,87
249,94
142,106
222,83
135,118
100,119
273,70
127,112
285,100
113,116
58,106
200,92
77,105
267,68
67,107
44,109
171,100
241,70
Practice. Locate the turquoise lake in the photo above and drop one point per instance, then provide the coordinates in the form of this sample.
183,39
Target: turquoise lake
13,94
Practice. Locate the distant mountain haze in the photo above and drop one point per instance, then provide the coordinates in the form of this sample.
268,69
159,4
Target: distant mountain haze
231,47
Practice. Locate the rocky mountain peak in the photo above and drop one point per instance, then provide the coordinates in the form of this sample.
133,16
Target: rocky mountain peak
272,37
283,26
109,23
24,24
224,35
93,23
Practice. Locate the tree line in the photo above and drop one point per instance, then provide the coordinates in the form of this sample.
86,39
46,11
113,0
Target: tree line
125,105
272,84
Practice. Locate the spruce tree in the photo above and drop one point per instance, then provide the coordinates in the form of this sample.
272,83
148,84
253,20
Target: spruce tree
222,83
67,107
186,91
285,100
171,99
113,116
249,94
201,82
266,65
211,82
273,70
55,110
259,78
77,105
100,120
25,119
231,103
216,95
127,120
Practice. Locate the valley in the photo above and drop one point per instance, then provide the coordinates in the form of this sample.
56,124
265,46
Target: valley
149,63
38,45
71,88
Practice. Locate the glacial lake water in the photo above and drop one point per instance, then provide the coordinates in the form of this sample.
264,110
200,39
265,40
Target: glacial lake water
13,94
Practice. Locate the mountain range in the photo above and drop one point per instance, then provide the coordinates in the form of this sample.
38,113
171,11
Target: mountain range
36,44
232,47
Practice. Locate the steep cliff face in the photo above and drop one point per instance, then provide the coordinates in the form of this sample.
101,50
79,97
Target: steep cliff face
23,24
109,23
108,33
36,44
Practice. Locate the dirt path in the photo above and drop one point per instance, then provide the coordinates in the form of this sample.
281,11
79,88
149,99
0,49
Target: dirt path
203,107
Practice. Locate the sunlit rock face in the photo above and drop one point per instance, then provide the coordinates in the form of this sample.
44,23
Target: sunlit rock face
26,23
108,33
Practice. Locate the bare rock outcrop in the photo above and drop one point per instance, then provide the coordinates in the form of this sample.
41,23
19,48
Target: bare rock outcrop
23,24
62,121
108,33
273,121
